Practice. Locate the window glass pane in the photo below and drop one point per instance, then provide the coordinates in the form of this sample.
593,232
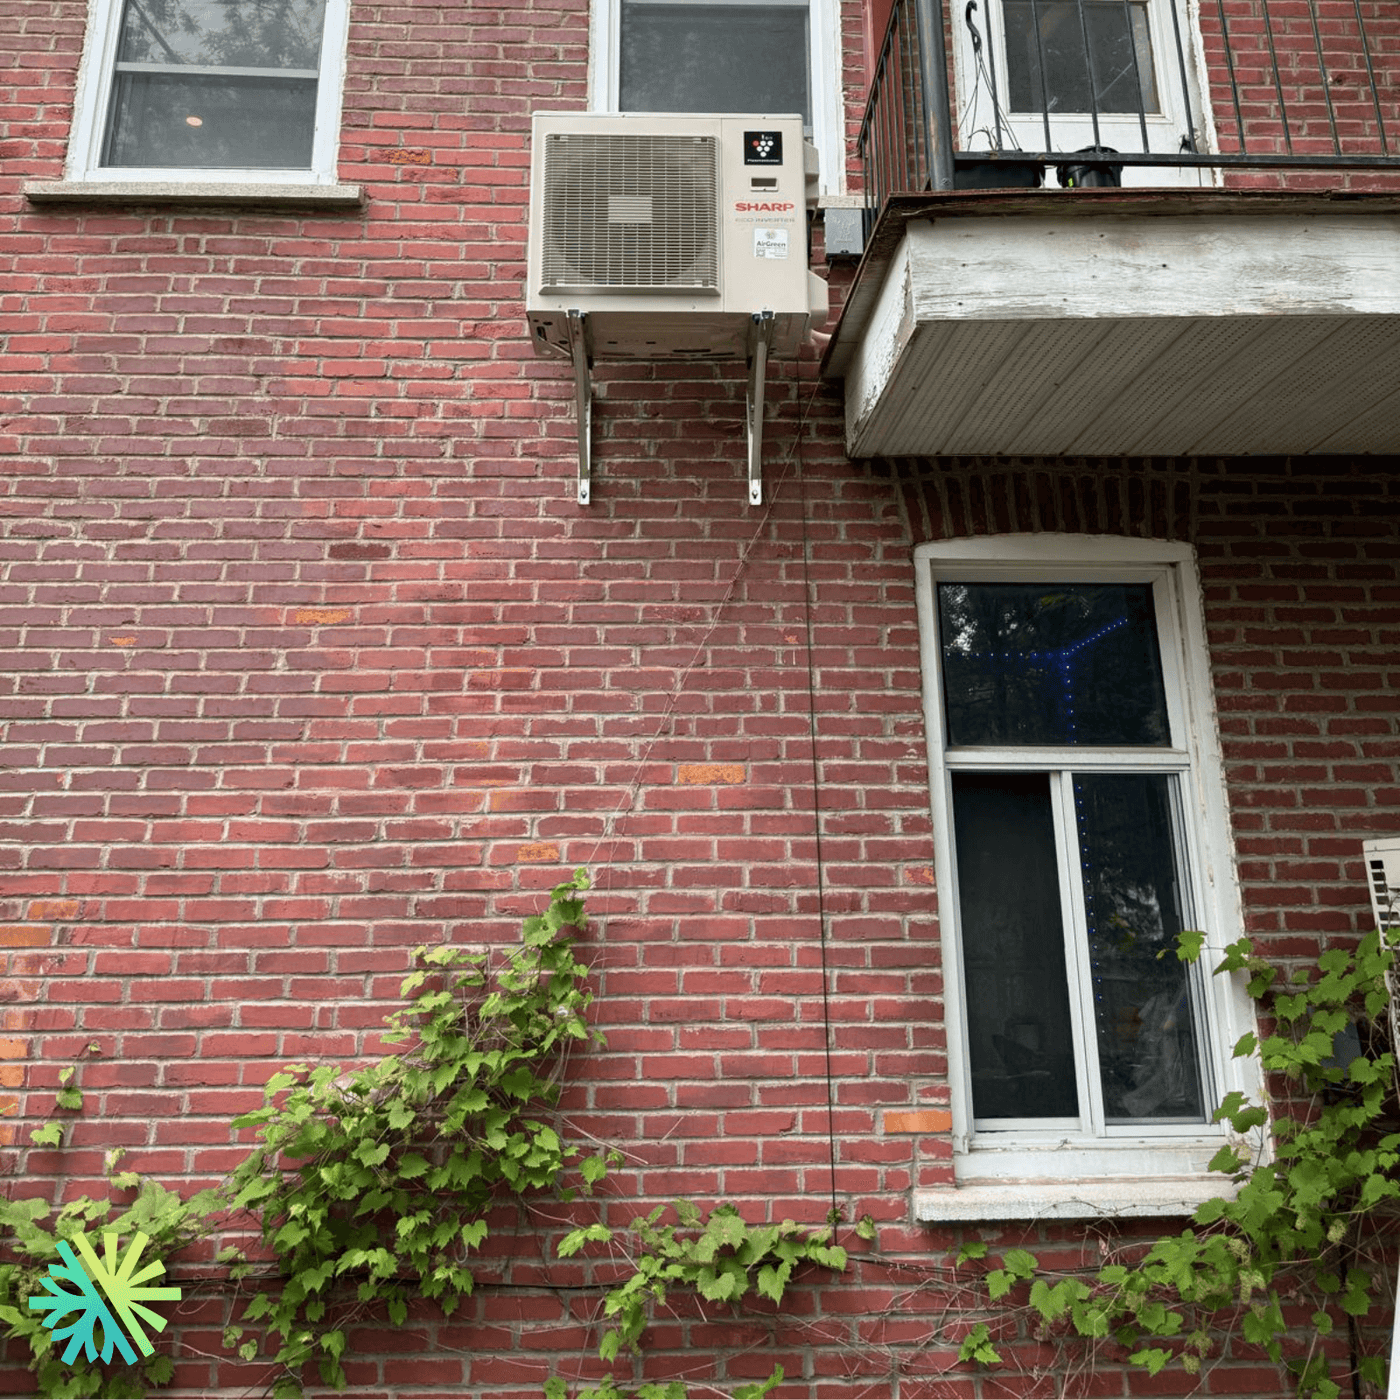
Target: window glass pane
1019,1029
1142,1002
204,123
1051,663
216,84
1118,36
714,58
223,33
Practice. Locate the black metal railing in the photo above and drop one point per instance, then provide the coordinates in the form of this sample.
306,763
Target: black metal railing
1264,86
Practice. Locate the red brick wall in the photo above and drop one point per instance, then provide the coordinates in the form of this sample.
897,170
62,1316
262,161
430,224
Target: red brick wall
306,657
1280,83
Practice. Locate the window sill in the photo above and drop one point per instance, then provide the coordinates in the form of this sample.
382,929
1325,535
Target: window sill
1124,1197
247,195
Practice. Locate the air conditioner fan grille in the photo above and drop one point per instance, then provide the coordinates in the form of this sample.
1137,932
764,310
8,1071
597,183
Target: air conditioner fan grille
629,212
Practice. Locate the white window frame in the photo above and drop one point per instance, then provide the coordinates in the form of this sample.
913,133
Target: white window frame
94,95
1073,130
824,75
1032,1171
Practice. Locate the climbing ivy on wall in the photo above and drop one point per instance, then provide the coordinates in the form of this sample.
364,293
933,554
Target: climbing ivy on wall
372,1186
1297,1226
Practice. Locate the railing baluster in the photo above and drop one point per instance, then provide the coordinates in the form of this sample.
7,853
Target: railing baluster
1278,80
925,117
1371,76
913,120
1322,78
1093,76
1185,83
990,58
1234,81
1137,74
1041,69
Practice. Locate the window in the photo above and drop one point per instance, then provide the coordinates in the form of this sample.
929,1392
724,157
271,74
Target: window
1063,75
764,56
1080,813
210,90
1070,58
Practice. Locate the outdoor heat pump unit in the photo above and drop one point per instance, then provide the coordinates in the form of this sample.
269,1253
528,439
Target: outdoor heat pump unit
659,237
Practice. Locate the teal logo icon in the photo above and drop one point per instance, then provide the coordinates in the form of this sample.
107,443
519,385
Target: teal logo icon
104,1294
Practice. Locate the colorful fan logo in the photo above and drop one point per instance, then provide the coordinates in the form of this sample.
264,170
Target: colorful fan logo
125,1298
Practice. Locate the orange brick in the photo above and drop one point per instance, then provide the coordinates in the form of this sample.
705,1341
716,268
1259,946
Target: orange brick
23,936
322,615
925,1120
13,1049
711,773
54,909
538,850
919,875
11,1076
123,641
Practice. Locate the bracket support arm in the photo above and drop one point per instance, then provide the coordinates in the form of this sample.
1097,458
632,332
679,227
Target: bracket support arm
760,341
583,399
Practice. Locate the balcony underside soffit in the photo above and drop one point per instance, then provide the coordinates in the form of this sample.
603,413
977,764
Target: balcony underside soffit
1111,324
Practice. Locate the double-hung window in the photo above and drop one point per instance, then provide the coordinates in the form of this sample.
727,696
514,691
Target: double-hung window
1079,809
211,91
773,57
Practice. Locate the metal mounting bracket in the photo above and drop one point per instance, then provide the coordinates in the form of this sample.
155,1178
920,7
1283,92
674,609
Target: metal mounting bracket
583,398
760,341
762,326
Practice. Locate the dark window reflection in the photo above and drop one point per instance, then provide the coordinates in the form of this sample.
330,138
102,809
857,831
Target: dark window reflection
1019,1027
715,58
210,123
1142,1003
1051,664
1049,68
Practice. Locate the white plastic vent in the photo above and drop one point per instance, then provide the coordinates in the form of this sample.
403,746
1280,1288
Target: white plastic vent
630,212
1383,876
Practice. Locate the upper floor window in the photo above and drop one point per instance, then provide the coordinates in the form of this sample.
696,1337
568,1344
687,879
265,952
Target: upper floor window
210,90
771,57
1078,800
1067,74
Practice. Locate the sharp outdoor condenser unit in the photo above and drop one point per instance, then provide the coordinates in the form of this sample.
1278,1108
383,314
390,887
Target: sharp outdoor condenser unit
670,237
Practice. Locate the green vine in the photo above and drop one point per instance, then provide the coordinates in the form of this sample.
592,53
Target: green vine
372,1188
384,1175
169,1222
721,1258
1297,1220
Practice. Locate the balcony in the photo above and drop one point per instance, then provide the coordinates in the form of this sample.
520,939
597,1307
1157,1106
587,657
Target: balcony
1095,230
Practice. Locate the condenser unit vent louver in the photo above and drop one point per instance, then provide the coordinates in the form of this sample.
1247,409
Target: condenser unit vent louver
625,212
1383,875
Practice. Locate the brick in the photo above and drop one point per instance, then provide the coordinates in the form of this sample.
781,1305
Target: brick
711,773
